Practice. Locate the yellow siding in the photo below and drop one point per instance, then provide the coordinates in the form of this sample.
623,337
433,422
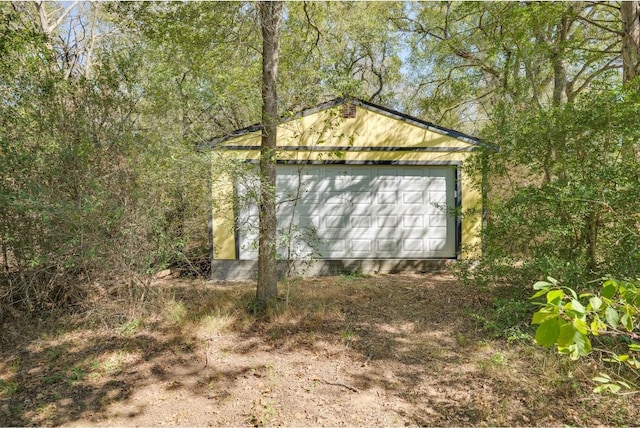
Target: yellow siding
471,219
222,216
368,129
326,129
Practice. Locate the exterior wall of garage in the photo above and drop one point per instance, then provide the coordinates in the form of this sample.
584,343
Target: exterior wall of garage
374,136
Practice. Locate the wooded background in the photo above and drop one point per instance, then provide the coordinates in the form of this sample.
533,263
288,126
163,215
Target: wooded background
103,106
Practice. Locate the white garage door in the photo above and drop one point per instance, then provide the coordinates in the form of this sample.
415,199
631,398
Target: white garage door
358,211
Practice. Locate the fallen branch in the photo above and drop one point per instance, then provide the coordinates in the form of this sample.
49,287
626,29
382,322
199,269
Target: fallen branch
344,385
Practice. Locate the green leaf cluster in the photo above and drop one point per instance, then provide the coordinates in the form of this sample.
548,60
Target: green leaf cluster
570,321
562,190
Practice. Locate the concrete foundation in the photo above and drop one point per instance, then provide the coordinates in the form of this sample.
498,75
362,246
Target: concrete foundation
238,270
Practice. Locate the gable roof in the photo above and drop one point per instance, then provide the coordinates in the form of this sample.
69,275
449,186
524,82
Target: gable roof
212,143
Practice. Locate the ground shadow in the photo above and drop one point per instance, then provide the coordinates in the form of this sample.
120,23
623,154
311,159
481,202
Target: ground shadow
412,338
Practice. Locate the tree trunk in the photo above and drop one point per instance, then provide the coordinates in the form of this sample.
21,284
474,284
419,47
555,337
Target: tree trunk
270,20
630,15
591,233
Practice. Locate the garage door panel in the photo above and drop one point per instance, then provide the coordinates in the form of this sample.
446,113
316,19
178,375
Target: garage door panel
438,197
309,221
386,246
334,222
335,198
401,209
360,198
360,222
295,249
334,248
311,197
436,245
387,221
413,246
385,185
438,221
435,209
437,232
436,184
361,247
412,197
412,221
386,176
286,181
386,197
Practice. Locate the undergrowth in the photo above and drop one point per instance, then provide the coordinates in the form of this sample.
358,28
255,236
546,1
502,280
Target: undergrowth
508,316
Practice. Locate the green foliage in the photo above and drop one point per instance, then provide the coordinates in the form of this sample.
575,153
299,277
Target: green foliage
343,49
129,328
69,375
570,321
262,412
85,189
100,176
8,388
352,276
507,317
472,57
562,196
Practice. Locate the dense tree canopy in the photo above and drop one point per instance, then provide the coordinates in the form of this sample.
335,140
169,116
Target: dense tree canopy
104,104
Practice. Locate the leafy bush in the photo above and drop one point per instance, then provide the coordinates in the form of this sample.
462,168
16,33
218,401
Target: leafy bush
85,191
563,193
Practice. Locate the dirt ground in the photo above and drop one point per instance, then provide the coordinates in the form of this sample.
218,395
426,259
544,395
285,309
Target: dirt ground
395,350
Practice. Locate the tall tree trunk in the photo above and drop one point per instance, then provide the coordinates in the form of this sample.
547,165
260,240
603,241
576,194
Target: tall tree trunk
630,15
591,237
270,20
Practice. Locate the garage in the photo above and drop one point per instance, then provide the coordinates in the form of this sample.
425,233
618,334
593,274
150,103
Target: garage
348,211
360,187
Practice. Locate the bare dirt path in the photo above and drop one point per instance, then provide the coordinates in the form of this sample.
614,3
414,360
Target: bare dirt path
396,350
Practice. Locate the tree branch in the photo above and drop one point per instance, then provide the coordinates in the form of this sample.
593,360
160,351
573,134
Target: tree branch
602,27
